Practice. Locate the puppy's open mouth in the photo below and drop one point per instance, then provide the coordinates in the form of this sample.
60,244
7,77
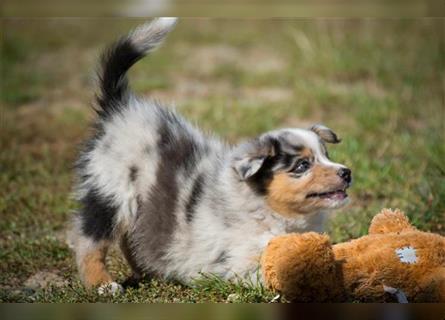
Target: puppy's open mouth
339,194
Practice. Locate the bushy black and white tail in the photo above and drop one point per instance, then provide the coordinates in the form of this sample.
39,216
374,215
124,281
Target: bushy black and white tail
120,56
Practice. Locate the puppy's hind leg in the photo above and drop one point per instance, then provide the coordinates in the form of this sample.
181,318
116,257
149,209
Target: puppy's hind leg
90,258
91,251
137,275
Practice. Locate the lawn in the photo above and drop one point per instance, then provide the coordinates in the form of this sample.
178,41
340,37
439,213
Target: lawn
378,83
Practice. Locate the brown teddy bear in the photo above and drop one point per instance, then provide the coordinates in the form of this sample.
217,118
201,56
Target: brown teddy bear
395,259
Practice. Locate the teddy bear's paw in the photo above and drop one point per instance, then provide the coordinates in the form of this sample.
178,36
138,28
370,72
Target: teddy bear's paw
111,288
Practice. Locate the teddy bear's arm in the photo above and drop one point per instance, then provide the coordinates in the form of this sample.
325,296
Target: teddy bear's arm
302,267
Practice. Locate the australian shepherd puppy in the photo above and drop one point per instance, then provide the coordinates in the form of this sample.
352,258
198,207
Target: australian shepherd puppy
180,202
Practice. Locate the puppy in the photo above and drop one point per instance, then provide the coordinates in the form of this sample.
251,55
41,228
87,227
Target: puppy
180,202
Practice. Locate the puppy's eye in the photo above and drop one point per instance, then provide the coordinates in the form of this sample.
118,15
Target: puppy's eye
302,166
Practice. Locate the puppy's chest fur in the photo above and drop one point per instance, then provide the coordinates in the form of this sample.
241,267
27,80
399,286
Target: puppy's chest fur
172,192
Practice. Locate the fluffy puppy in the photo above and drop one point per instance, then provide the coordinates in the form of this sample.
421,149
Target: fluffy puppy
180,202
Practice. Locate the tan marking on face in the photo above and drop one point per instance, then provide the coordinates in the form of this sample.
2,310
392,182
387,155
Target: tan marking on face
287,195
306,153
93,270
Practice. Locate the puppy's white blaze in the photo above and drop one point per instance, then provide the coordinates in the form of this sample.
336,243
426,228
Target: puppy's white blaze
313,142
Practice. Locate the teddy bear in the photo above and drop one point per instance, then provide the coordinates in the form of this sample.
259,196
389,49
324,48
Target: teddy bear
394,262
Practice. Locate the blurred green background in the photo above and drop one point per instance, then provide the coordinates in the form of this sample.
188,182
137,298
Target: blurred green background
378,83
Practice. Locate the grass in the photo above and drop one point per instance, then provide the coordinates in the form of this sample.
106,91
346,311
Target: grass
378,83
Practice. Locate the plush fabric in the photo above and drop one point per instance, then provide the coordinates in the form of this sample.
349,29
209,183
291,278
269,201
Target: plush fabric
395,261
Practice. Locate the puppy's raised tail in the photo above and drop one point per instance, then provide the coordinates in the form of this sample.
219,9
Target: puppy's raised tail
120,56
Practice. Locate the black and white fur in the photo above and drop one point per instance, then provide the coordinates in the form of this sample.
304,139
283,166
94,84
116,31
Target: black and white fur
181,202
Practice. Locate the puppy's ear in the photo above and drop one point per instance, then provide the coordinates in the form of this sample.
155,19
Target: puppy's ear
326,134
250,156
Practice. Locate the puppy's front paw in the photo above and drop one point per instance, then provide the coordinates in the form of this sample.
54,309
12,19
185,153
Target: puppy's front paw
111,288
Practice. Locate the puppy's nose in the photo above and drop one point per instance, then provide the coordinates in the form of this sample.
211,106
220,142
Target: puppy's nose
345,174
